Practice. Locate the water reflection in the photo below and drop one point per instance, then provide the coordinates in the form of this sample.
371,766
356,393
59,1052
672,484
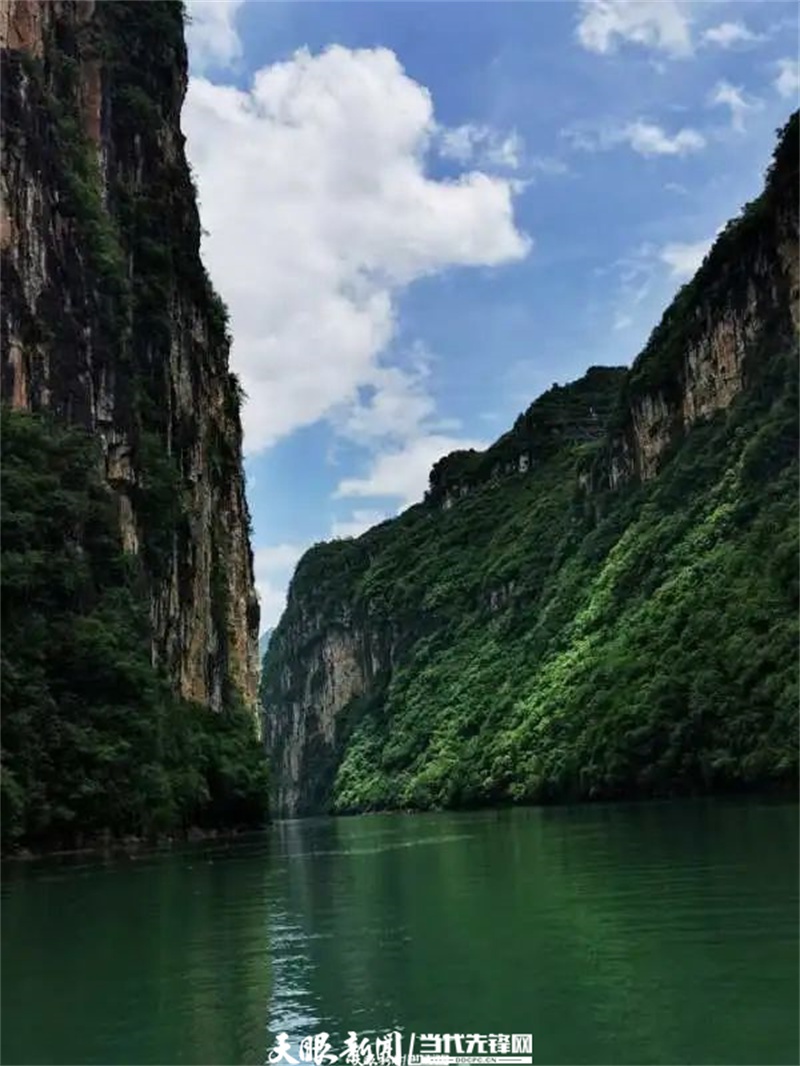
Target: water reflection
659,933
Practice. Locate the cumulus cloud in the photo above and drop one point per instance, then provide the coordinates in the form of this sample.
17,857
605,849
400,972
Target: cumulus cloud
645,138
397,420
494,150
393,405
730,34
662,25
726,95
319,209
274,566
787,81
683,259
211,33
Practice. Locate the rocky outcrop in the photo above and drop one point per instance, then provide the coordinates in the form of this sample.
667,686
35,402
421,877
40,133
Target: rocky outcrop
575,413
334,673
21,25
109,320
323,662
744,298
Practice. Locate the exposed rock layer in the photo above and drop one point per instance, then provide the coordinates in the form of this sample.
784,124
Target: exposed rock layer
109,320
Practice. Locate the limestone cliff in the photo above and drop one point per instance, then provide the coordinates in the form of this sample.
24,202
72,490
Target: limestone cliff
604,603
109,319
719,325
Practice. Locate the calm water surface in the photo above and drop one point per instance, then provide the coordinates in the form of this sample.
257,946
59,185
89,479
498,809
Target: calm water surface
663,933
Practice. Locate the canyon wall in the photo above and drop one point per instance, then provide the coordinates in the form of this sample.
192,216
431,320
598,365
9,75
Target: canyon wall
109,320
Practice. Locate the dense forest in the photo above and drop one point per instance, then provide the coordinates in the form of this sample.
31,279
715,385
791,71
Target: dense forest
95,743
553,622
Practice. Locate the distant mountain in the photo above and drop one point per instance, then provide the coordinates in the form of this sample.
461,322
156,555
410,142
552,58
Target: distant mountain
263,644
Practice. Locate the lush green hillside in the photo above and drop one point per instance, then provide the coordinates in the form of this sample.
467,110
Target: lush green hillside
537,634
652,650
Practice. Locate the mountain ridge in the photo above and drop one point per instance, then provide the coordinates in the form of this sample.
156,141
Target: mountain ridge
450,655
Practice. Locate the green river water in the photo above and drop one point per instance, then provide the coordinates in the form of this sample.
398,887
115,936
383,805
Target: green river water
653,933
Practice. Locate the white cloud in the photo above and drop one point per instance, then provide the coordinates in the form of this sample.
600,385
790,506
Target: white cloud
460,142
398,422
638,278
211,33
726,95
683,259
645,138
359,522
278,557
393,405
662,25
506,152
482,145
546,164
274,566
728,34
402,474
788,80
319,210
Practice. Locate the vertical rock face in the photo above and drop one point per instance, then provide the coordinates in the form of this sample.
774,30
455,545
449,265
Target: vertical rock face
109,319
329,658
743,298
335,673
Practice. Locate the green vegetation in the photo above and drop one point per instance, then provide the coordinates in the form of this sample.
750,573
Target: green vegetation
574,413
93,742
653,652
554,642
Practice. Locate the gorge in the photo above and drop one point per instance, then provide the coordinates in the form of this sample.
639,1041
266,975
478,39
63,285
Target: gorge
601,607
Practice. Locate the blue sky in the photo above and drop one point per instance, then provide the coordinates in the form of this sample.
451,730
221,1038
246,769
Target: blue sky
423,214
